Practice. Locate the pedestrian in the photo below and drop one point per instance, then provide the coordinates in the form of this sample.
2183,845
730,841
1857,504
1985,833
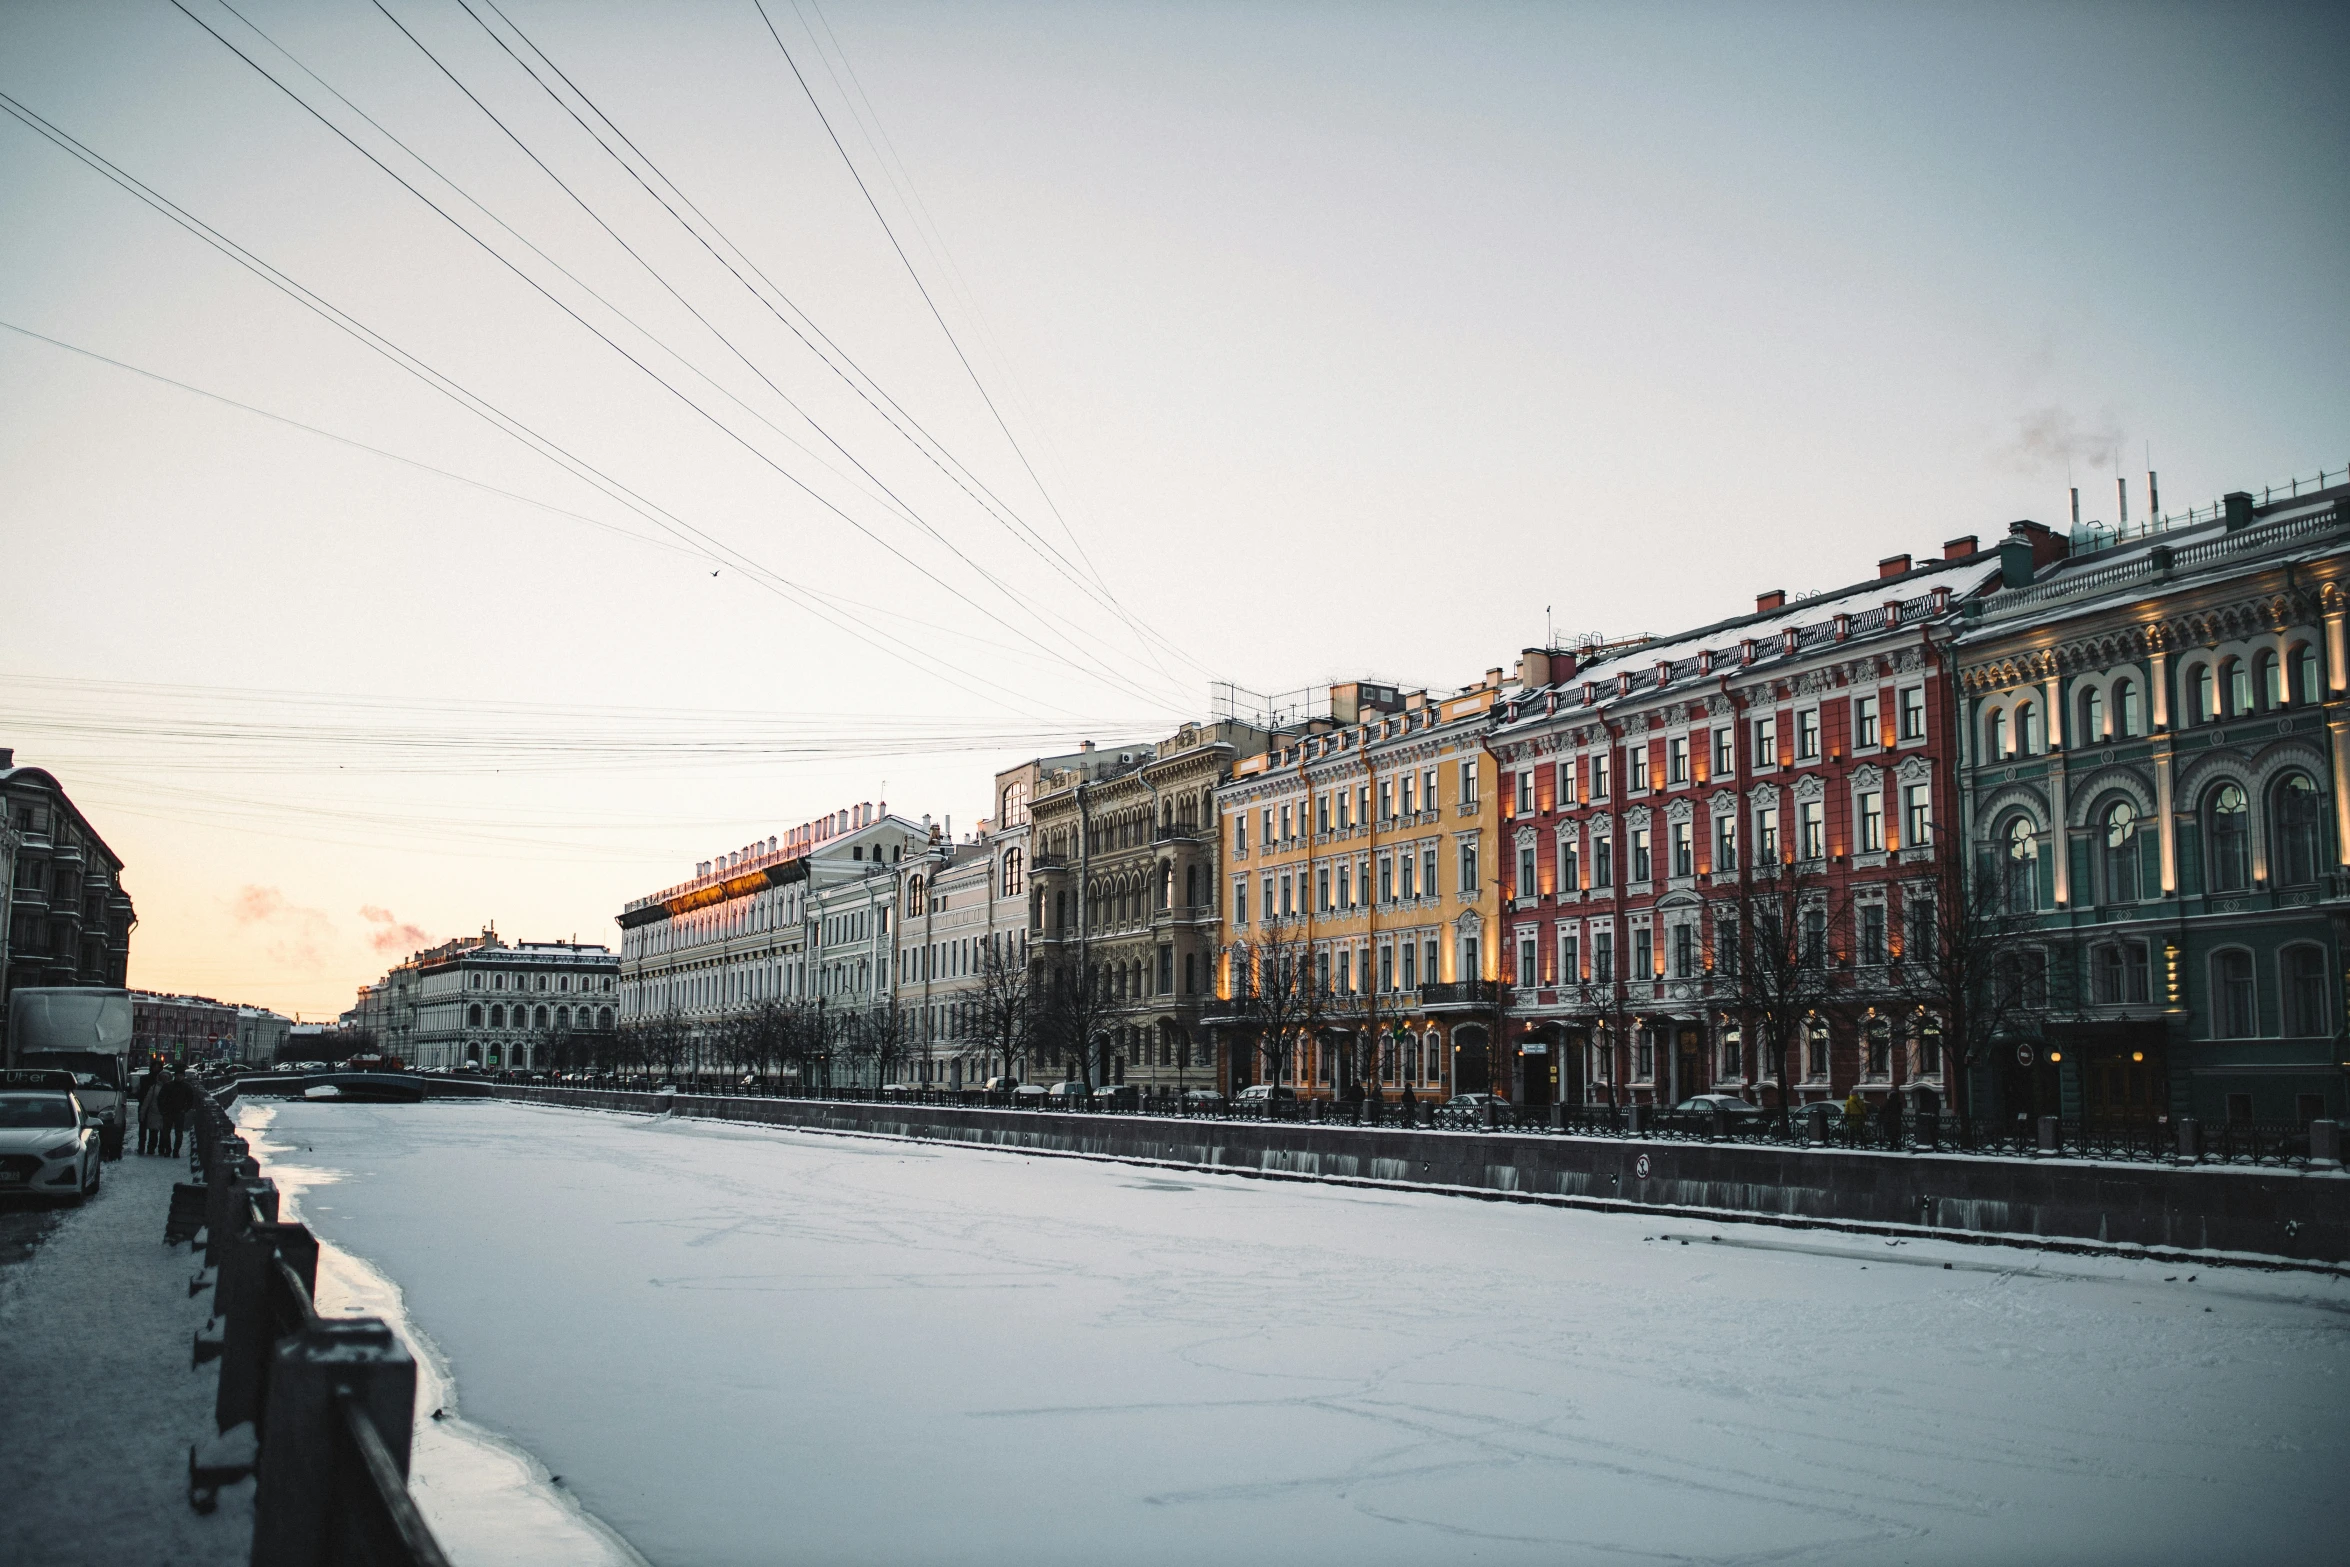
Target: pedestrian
1856,1113
151,1135
179,1098
1892,1118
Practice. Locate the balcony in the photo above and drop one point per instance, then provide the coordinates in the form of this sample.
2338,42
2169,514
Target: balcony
1175,834
1459,994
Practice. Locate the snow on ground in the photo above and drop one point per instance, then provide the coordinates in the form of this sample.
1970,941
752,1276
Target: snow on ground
98,1404
747,1345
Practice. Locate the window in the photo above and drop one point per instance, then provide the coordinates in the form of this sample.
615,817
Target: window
1603,862
1321,813
1733,1049
2126,720
1603,957
1468,783
2021,979
2092,723
1872,821
1636,769
1913,712
1814,952
1570,965
2269,674
1677,760
1268,904
2231,839
1872,935
2299,830
1322,890
1428,871
2119,849
1387,967
1526,883
1684,848
1766,742
1812,819
1566,784
2117,973
1410,790
1410,875
1240,832
1468,867
1867,729
1387,878
1643,954
2233,997
2020,867
2239,688
1345,812
1640,865
1525,779
1726,946
1286,834
1288,899
2304,971
2028,736
1917,815
1684,952
1724,763
1603,768
1930,1046
1877,1037
2203,697
1766,835
473,1013
1807,735
1725,844
1529,969
1570,870
1815,1050
2306,685
1995,735
1240,900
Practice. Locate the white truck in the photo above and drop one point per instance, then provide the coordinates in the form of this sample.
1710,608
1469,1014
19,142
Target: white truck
85,1030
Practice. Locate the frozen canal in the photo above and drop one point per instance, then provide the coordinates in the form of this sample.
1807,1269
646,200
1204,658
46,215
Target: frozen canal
750,1346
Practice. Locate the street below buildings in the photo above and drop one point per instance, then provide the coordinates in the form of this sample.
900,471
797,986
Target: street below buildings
747,1345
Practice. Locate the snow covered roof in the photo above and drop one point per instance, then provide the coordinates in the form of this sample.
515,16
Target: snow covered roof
1780,636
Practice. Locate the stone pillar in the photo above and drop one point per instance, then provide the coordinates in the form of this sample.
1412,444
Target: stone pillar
2048,1138
2325,1145
304,1444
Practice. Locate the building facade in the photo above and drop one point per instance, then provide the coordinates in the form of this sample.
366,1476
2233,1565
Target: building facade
1124,901
69,918
1681,811
508,1008
261,1035
2157,740
1358,853
183,1028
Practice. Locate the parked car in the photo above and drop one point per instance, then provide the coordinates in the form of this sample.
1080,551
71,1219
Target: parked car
1030,1096
1001,1085
49,1145
1119,1096
1070,1092
1266,1098
1728,1104
1197,1099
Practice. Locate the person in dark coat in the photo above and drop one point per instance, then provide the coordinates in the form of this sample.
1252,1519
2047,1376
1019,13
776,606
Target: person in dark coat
151,1134
1891,1118
179,1098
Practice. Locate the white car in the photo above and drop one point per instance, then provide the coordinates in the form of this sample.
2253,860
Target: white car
49,1145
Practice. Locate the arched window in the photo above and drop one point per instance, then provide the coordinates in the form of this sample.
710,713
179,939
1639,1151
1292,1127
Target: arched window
2019,867
1877,1037
2027,729
2306,681
2297,818
2234,1012
2239,688
604,1018
497,1017
562,1017
2117,973
2120,852
2231,839
473,1015
2203,698
2126,720
1995,735
1011,886
540,1018
2269,675
2303,970
2092,716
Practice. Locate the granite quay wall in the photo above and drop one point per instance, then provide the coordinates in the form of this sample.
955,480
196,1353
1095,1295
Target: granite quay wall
2281,1214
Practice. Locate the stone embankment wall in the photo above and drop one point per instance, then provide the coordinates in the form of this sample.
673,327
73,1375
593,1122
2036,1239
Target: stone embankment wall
2284,1214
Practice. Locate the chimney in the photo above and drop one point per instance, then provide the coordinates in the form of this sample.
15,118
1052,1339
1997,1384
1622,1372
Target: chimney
1958,549
1764,603
1085,745
2153,497
2239,505
2048,546
1893,566
2121,488
1534,668
2076,505
2015,562
1562,666
1493,678
7,756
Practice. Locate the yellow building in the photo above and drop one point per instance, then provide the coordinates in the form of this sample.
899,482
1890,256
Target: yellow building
1361,898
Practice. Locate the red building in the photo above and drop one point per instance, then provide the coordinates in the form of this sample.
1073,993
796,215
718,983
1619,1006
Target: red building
1793,769
180,1028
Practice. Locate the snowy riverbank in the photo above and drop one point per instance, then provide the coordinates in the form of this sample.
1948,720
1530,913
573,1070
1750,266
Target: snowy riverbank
747,1345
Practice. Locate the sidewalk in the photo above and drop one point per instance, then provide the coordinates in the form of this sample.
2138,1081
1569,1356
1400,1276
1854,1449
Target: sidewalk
98,1405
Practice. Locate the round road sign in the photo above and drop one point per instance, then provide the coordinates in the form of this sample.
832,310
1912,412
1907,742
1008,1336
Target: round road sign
1640,1167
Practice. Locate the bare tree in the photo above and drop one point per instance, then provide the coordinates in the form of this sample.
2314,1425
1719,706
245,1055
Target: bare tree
1977,969
1004,1014
1779,969
1074,1012
1281,1000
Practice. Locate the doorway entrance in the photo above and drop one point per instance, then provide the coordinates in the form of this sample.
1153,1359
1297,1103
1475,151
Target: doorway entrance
1471,1072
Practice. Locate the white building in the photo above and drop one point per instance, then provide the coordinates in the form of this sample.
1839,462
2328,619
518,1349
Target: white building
506,1007
259,1034
803,917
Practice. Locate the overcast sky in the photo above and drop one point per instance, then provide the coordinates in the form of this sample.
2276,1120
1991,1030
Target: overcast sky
1333,340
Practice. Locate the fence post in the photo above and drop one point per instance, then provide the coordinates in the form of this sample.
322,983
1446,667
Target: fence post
2190,1139
2048,1139
1558,1117
1816,1116
2325,1145
293,1511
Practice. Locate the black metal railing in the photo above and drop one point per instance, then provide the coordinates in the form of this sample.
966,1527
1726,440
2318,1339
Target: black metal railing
321,1410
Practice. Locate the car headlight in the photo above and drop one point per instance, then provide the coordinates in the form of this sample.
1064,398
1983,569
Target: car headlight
62,1151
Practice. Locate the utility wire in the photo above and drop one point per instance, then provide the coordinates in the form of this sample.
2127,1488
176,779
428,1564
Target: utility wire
655,376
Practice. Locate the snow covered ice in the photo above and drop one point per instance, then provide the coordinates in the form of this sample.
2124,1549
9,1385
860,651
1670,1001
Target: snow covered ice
745,1345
